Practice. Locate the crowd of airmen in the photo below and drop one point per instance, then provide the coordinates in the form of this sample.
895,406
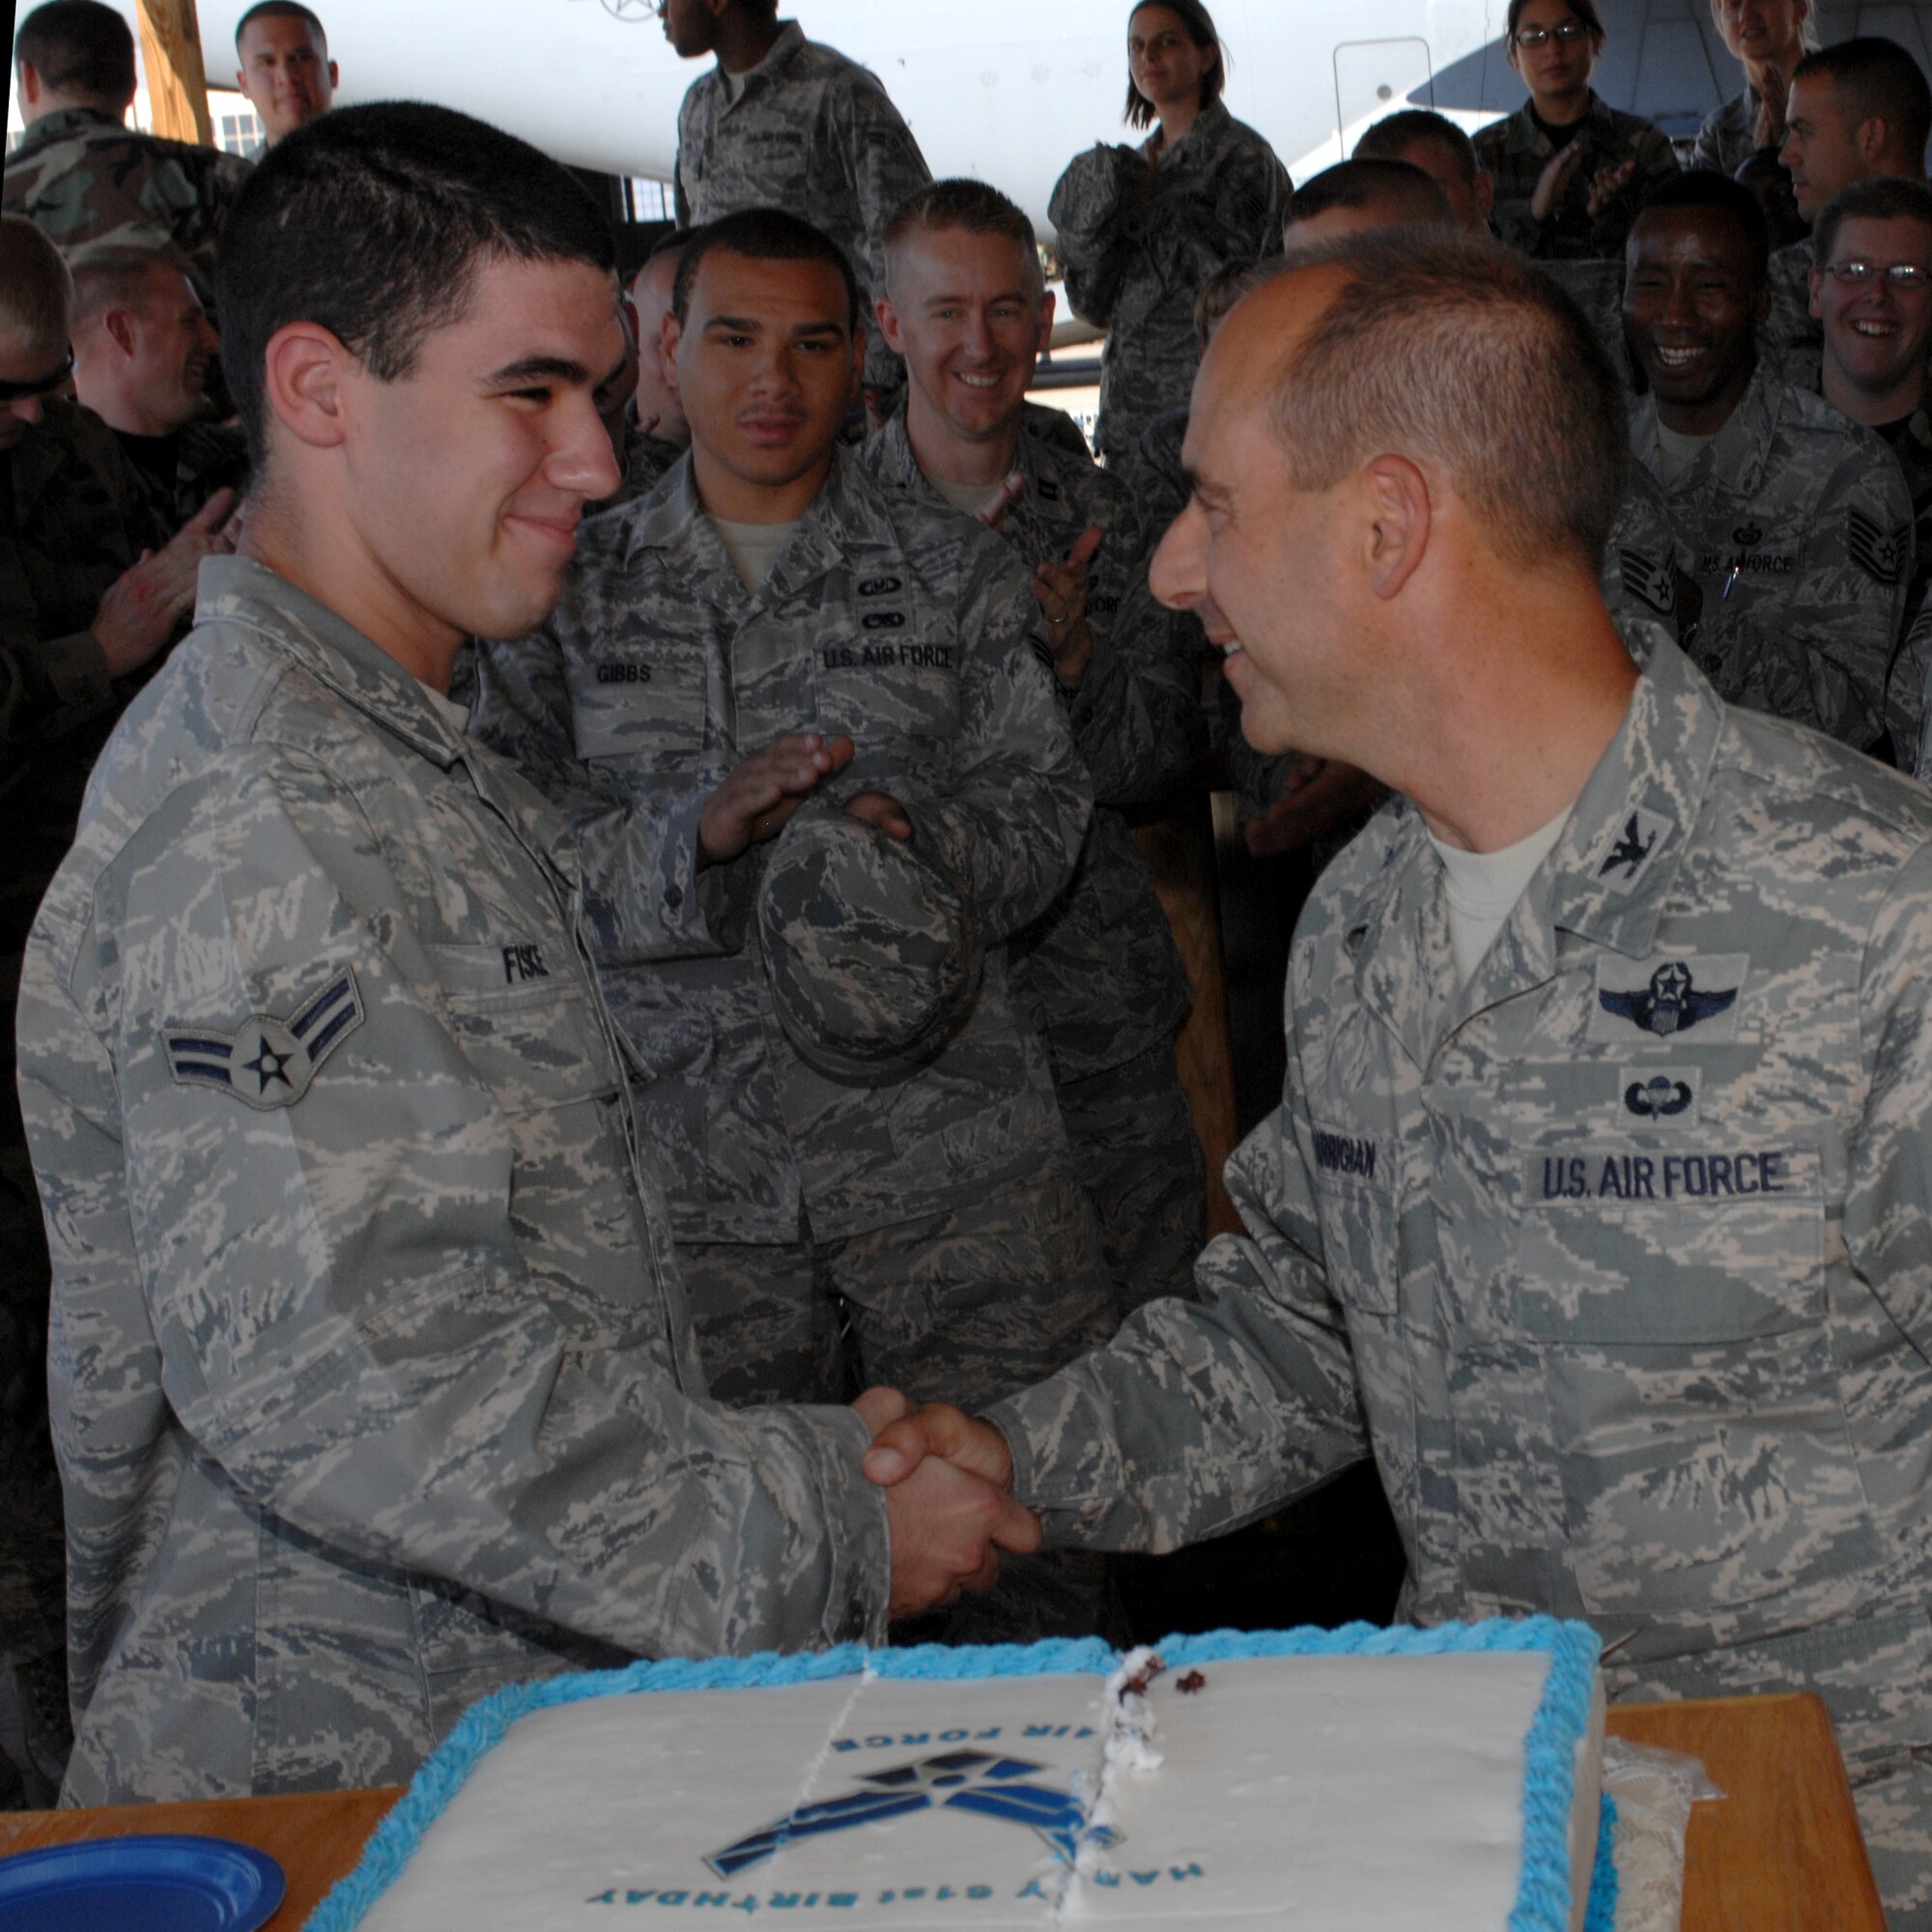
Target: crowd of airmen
525,1084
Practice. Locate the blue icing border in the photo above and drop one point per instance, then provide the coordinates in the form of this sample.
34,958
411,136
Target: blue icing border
1543,1894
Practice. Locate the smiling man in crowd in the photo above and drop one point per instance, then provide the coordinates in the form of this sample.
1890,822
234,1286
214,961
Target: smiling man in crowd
376,1385
1098,976
284,67
1793,522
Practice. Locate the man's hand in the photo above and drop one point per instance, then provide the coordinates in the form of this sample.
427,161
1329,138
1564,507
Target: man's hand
1012,487
759,795
946,1522
937,1430
882,811
140,610
1062,592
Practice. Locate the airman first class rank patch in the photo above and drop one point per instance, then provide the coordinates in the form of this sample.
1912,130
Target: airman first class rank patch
268,1062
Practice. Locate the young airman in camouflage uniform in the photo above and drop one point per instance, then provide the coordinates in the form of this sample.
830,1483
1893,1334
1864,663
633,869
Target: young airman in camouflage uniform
375,1386
1098,976
783,122
1517,151
1140,230
1612,1253
1792,522
80,175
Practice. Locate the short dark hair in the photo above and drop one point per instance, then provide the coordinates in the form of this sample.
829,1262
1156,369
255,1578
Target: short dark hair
1393,133
78,47
762,234
1399,187
1881,198
36,289
1704,187
1459,352
283,9
1878,80
1222,289
961,203
1584,9
371,223
1201,31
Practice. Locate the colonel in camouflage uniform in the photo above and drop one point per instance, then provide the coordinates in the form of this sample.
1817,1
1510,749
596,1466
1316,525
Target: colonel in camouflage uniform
1612,1248
936,1198
1140,230
1099,976
791,124
1792,522
81,176
374,1388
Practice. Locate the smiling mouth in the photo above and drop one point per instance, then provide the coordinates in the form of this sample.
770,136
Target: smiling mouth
980,382
1872,326
1676,358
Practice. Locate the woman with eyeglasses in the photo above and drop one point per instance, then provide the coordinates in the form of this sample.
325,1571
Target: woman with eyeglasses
1141,229
1570,172
1770,38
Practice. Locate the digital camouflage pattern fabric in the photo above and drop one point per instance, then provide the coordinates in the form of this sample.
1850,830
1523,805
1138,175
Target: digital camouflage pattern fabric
813,134
374,1386
1795,527
81,177
1613,1260
1516,150
179,473
916,634
1098,976
1139,236
1728,136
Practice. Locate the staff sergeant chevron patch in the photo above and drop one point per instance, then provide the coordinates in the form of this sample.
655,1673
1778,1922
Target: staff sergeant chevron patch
1878,552
268,1062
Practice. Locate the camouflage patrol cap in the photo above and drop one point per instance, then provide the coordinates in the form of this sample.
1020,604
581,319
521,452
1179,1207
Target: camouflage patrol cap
871,947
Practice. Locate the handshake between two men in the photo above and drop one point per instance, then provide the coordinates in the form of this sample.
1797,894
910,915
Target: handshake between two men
948,1511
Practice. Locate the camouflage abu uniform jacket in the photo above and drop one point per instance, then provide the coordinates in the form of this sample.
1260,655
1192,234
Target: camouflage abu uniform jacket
910,632
1728,136
80,177
1618,1261
1516,150
813,134
1795,526
373,1387
1138,242
1099,976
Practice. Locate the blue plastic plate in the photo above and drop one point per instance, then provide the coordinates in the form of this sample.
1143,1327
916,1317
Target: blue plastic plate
161,1883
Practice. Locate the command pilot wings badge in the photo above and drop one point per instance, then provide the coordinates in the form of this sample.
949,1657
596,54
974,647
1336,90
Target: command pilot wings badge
1672,1003
267,1061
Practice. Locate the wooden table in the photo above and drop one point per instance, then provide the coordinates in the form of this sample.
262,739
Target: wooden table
1780,1854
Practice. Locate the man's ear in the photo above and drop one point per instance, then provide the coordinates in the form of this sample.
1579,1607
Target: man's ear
1398,520
1874,131
671,332
304,370
121,324
889,323
31,84
1817,304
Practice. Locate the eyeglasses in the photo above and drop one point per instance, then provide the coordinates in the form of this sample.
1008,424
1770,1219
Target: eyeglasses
38,385
1565,36
1907,278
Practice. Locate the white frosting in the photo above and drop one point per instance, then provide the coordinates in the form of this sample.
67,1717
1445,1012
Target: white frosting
1380,1793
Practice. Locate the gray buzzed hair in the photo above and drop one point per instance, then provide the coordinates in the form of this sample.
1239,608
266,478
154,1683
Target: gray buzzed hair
107,275
36,289
1459,354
